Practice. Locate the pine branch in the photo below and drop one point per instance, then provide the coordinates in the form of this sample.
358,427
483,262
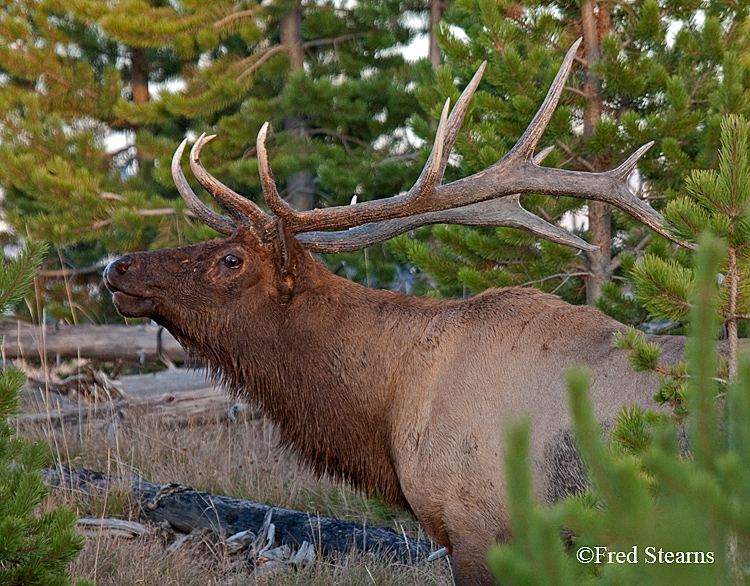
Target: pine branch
701,81
617,261
21,274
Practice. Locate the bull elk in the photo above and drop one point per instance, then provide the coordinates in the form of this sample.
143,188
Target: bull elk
400,396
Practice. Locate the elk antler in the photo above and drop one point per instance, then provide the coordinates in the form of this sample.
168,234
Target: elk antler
408,204
221,224
487,198
231,201
504,212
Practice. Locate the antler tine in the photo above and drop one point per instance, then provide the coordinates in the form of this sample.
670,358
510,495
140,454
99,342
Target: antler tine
525,147
205,214
273,200
456,119
228,199
342,217
624,170
541,155
433,170
444,141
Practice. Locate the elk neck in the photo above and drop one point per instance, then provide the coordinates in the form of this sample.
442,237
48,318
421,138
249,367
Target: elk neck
323,368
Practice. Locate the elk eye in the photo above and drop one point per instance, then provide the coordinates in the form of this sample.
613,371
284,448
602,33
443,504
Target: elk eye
232,261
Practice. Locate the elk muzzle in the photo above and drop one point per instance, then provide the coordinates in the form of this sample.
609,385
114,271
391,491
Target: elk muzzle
129,301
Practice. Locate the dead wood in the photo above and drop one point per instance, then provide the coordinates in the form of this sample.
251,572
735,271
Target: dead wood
91,386
136,344
187,510
111,528
174,397
188,408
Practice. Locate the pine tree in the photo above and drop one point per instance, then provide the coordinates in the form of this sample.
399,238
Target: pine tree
672,519
648,70
715,202
61,87
62,83
35,550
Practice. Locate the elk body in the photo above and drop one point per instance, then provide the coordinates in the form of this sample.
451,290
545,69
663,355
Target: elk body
400,396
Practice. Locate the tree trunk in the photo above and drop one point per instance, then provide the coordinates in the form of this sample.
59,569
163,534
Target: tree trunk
600,214
300,192
139,75
139,86
734,292
291,36
437,8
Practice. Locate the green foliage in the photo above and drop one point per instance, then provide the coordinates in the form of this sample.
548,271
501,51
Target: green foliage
663,286
650,509
34,549
647,358
653,87
716,203
632,431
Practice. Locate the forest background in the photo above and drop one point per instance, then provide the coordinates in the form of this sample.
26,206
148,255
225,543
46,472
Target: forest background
96,97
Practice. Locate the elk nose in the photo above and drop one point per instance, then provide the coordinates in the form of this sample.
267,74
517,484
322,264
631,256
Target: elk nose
119,266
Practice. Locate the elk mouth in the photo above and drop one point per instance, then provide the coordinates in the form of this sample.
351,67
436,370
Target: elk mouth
129,304
132,306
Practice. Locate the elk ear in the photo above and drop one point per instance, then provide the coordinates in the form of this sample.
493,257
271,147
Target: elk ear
290,255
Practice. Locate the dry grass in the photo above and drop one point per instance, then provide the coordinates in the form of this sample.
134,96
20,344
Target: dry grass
238,459
144,562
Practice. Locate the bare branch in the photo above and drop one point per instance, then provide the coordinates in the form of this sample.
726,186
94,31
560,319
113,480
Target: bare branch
259,59
236,16
334,40
617,261
111,196
557,276
51,274
568,151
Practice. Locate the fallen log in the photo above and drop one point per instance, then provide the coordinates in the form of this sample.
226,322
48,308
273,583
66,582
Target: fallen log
171,409
187,510
140,344
174,397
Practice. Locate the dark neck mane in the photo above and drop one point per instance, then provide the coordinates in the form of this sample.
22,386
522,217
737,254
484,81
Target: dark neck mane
321,369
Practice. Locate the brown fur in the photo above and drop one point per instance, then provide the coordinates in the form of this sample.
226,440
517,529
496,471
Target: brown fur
405,397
